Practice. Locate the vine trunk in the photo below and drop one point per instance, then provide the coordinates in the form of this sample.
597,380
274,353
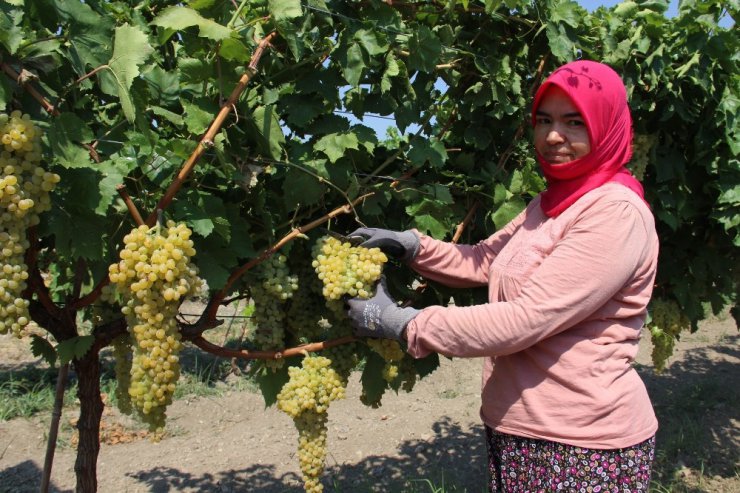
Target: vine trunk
88,426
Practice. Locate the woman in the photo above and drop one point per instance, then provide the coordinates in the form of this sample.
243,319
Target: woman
569,281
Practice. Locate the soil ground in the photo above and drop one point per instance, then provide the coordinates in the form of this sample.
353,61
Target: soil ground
231,443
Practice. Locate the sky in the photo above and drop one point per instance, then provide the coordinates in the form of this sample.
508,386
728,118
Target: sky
592,5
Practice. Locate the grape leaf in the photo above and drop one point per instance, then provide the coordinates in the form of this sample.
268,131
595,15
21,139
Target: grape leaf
335,145
352,64
424,150
282,10
74,348
164,86
233,49
169,115
178,18
66,135
478,136
271,382
370,42
68,226
508,211
198,115
626,9
373,384
560,43
301,189
430,225
425,366
11,34
566,12
6,93
130,49
424,50
269,133
391,70
42,348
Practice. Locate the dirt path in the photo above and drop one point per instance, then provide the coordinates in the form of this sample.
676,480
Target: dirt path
231,443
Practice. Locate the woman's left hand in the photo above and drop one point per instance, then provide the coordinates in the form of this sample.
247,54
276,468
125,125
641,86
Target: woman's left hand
379,316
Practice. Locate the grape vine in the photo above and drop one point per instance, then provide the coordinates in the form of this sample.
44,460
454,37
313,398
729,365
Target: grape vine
124,97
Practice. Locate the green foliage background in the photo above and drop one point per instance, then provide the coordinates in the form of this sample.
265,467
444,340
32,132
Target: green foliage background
142,81
135,84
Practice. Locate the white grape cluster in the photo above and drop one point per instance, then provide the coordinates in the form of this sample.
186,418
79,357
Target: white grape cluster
154,276
641,145
276,277
392,354
345,269
665,327
271,289
107,309
306,398
24,194
306,317
312,428
122,357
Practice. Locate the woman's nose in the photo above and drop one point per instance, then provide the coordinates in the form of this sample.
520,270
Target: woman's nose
555,136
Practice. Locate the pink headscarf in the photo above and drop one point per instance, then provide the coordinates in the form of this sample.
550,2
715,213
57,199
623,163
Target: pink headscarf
600,96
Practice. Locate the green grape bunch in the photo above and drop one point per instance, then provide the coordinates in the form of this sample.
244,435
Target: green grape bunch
271,286
666,325
154,275
25,187
347,270
392,354
641,146
306,398
306,317
338,269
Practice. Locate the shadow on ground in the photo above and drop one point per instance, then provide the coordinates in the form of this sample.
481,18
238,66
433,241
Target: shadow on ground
696,401
453,456
23,477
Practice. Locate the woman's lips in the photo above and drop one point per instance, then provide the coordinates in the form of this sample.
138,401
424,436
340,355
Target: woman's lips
558,157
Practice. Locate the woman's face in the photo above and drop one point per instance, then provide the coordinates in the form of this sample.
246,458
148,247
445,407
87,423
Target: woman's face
560,133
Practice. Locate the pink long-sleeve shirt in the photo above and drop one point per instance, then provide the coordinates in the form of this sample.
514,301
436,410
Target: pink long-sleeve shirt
567,297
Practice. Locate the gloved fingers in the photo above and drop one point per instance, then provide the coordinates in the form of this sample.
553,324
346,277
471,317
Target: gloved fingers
381,286
366,233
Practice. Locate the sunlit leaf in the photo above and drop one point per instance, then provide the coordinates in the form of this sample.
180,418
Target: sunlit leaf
335,145
284,9
179,17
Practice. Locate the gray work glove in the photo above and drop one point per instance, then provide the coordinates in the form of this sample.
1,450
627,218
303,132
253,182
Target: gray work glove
379,316
402,245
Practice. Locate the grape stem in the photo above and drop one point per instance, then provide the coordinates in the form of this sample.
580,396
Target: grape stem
48,107
210,312
217,350
215,127
121,189
187,167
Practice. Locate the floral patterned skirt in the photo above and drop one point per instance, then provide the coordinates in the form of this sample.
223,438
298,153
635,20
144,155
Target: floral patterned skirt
526,465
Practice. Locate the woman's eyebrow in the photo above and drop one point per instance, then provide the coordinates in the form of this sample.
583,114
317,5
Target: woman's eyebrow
574,114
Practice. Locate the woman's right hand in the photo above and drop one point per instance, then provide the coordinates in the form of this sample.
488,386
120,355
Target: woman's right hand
401,245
